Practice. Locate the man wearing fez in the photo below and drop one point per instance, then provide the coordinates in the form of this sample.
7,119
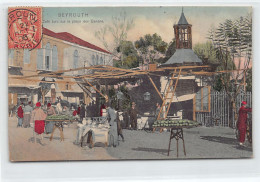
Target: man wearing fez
133,116
20,114
242,122
38,117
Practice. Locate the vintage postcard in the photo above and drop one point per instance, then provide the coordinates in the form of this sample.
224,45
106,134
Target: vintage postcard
129,83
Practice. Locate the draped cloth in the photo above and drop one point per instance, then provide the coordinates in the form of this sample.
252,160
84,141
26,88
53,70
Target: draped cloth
38,117
39,126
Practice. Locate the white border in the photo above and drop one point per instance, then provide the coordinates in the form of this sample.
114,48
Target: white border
164,170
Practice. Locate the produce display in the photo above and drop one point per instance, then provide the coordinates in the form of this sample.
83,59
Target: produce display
175,123
60,117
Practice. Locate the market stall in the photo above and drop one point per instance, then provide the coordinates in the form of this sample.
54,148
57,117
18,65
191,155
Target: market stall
176,127
94,131
59,121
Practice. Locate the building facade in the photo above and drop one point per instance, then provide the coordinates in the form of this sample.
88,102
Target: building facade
60,51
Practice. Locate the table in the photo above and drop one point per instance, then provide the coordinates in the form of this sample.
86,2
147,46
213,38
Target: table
58,124
176,132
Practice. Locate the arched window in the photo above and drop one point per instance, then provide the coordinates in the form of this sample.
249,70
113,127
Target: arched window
93,60
54,58
48,56
97,59
40,59
75,59
26,56
101,61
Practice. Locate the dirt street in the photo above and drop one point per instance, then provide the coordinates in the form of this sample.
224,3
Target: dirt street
201,142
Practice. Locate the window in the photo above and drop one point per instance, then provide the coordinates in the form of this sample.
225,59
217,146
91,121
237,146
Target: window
93,60
40,59
47,56
54,58
101,61
75,59
97,59
202,100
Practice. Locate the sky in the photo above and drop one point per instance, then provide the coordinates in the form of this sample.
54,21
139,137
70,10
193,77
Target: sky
147,20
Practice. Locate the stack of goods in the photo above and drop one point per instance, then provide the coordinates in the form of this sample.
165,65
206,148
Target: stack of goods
181,123
60,117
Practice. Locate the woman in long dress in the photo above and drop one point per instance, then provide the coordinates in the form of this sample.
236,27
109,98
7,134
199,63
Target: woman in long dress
49,125
27,115
38,117
113,135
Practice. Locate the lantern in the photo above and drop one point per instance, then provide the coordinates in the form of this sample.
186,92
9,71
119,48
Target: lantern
147,96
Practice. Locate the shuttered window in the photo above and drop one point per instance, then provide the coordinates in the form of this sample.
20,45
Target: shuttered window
75,59
40,59
202,100
54,58
48,57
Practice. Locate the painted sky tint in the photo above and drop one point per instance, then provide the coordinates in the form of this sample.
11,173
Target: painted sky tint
147,20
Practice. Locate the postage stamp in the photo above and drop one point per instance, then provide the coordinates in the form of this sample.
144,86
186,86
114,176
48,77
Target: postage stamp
24,27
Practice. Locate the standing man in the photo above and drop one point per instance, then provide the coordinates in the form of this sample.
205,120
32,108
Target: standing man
20,115
82,112
38,117
49,125
113,133
27,115
133,116
242,122
119,126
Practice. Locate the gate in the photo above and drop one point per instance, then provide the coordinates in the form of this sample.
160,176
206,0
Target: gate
221,113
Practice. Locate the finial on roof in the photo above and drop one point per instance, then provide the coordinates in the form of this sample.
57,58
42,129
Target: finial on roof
182,20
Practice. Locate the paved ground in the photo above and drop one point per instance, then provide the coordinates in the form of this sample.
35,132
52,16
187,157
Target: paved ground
200,142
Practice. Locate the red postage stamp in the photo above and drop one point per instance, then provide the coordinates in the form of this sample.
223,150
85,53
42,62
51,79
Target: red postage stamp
24,27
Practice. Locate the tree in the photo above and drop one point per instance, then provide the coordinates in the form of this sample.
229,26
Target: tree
233,37
128,55
118,30
209,56
151,47
171,49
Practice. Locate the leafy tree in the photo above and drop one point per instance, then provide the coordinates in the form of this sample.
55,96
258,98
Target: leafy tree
171,49
249,80
128,55
233,37
151,47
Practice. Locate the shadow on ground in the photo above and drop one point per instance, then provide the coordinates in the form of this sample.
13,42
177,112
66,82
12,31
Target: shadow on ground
225,140
159,151
220,139
39,141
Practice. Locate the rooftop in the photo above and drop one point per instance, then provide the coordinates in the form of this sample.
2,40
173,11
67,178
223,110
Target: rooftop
183,56
183,20
72,39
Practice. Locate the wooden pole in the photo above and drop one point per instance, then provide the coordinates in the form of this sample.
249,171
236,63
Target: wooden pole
155,87
173,94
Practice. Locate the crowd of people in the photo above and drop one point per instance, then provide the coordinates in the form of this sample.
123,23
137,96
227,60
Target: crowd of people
29,116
